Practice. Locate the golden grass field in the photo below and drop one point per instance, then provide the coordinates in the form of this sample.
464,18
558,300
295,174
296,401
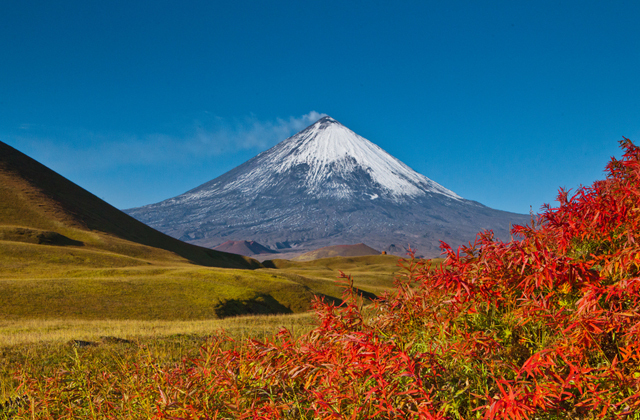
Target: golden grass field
68,302
165,311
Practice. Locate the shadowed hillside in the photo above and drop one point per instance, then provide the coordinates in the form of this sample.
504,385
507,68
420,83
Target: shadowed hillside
39,206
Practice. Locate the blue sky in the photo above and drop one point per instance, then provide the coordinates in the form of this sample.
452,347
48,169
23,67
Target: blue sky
502,102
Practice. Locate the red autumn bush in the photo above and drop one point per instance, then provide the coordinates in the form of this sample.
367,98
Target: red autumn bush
543,327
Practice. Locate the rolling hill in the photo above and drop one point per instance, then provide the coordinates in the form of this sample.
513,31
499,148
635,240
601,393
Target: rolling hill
39,207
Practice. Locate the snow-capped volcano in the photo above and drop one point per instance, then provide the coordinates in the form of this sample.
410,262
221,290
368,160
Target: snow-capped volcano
326,185
332,155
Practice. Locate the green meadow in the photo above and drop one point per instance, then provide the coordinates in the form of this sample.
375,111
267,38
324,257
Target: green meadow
61,303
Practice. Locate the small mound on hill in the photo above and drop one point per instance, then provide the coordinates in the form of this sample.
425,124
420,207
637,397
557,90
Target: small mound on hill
356,250
246,248
35,236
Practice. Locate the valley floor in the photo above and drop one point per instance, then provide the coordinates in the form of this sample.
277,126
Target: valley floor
51,317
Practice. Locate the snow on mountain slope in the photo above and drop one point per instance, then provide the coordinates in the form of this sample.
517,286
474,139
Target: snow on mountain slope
330,153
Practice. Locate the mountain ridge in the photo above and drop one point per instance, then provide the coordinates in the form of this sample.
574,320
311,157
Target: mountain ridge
325,186
353,250
246,248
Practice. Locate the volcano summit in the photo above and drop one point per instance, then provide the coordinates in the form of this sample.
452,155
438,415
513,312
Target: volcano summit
324,186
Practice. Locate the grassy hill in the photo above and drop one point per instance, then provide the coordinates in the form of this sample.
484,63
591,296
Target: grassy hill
40,207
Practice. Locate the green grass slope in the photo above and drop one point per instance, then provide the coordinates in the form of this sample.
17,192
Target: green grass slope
40,207
151,293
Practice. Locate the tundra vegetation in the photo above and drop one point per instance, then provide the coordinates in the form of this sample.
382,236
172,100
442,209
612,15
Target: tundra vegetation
545,326
56,305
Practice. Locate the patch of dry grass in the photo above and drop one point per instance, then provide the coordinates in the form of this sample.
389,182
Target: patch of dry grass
38,331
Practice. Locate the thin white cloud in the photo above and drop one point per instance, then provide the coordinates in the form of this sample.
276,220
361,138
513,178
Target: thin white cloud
82,149
251,133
